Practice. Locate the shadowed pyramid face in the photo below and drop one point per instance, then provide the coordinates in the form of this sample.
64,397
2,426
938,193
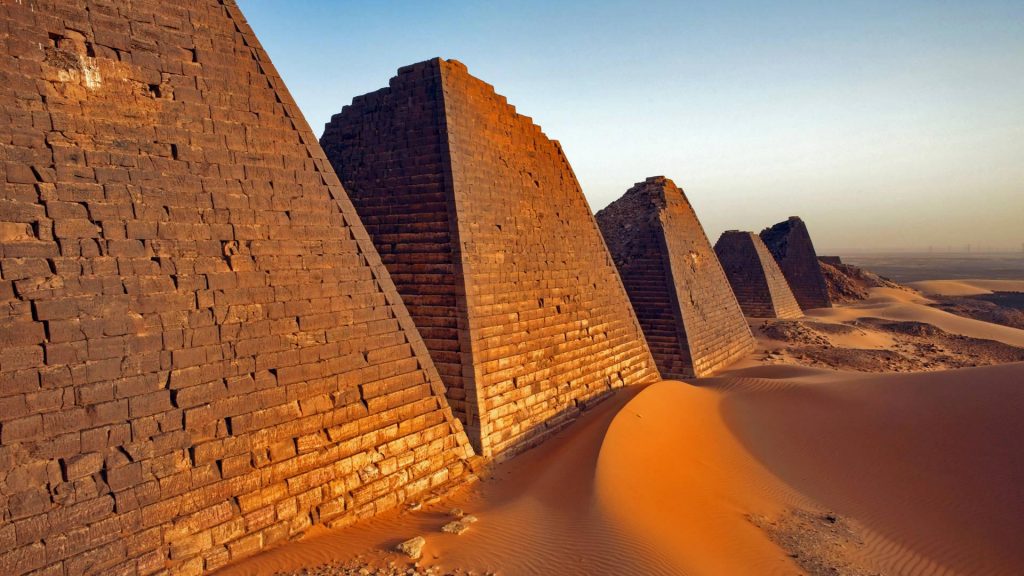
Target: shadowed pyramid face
481,222
790,243
204,351
759,285
685,304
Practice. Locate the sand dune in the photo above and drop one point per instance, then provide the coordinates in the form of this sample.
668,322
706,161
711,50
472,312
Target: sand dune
672,472
672,479
765,469
924,466
967,287
649,482
928,464
537,515
894,304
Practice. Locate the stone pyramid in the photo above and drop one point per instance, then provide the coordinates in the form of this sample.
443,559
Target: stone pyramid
759,285
689,314
790,243
487,234
202,352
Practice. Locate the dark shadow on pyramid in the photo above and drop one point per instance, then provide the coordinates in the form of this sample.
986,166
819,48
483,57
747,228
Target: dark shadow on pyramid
790,243
759,285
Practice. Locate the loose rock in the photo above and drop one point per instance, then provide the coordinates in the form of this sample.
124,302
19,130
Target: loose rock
456,527
413,547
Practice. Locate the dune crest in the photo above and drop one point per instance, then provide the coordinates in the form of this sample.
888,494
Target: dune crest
671,472
967,287
894,304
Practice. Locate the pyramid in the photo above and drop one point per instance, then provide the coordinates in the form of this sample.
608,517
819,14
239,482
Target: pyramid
689,314
202,352
486,232
791,245
759,285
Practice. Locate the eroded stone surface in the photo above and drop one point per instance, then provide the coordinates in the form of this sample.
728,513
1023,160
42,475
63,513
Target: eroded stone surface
202,354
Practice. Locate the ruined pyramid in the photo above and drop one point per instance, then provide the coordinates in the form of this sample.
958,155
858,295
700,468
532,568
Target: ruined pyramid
202,352
689,314
759,285
484,228
790,243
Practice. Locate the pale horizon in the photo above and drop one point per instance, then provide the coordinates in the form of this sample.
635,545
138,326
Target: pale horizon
885,129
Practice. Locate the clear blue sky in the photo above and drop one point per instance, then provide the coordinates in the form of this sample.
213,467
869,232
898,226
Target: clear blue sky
886,125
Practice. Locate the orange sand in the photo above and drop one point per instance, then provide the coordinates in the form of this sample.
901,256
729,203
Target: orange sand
930,464
537,515
926,468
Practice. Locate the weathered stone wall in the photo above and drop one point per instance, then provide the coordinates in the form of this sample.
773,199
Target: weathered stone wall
791,245
202,352
636,239
759,285
680,293
546,323
394,153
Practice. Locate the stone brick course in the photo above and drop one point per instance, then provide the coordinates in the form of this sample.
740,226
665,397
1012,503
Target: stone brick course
203,354
790,243
483,225
759,285
687,309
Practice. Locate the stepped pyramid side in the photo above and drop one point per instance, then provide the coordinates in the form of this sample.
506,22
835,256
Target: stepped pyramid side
391,152
635,236
790,243
202,353
544,324
678,288
757,281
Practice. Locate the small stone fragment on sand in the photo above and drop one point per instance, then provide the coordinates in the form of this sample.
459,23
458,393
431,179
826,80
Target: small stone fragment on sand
456,512
469,519
412,547
456,527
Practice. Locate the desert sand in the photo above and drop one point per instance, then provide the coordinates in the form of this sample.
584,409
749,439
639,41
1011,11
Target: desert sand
768,468
967,287
895,304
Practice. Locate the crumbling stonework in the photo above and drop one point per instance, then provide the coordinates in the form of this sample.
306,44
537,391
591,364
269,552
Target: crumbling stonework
202,354
483,225
759,285
791,245
689,314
